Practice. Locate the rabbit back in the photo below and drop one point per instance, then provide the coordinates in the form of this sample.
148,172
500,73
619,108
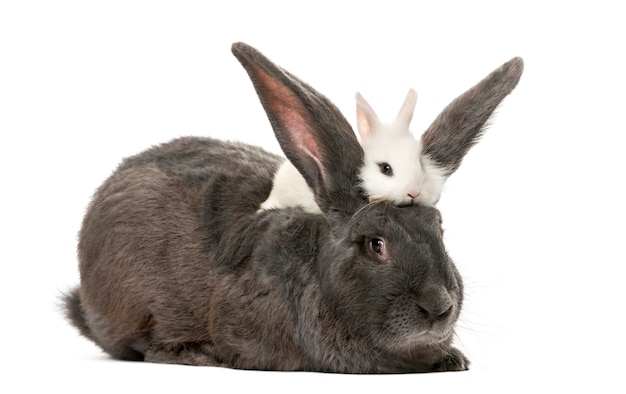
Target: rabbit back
146,244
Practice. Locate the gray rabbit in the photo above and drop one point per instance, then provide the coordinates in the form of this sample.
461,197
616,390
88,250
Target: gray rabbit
177,266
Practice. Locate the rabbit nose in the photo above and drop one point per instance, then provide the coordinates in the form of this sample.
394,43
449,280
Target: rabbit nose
413,194
435,304
437,314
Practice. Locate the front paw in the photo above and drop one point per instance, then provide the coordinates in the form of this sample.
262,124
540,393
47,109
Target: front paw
453,360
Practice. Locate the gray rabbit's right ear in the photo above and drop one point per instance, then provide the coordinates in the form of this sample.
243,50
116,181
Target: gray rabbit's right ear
461,124
311,131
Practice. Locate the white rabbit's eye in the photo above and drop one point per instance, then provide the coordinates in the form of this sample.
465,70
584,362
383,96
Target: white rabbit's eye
378,246
385,168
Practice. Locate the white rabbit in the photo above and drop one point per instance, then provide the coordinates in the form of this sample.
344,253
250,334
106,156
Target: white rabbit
394,167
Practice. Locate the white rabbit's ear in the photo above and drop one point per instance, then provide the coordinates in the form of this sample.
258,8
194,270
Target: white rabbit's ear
406,111
461,124
367,121
311,131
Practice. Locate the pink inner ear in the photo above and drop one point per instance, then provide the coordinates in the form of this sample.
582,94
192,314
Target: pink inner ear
363,125
299,133
291,114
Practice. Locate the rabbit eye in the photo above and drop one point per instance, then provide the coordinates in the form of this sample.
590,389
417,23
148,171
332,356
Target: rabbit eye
385,168
378,246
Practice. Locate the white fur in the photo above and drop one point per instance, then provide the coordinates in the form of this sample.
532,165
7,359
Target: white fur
416,178
290,190
398,148
433,180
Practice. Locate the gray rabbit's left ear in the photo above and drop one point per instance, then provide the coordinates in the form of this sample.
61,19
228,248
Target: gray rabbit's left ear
311,131
461,124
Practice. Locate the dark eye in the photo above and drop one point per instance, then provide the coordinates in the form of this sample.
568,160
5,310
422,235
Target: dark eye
386,169
378,246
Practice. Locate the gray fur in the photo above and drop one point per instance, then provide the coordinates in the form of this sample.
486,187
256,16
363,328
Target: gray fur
177,266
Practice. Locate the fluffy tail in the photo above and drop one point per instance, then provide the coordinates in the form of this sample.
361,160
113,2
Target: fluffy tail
75,314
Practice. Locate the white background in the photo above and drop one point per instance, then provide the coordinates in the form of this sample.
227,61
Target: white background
534,217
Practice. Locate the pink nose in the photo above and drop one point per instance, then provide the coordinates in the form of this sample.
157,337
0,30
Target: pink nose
413,195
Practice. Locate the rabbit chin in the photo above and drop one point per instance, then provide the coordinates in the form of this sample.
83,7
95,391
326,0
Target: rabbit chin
418,338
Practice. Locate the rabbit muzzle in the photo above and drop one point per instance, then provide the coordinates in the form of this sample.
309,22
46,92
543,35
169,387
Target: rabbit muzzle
426,319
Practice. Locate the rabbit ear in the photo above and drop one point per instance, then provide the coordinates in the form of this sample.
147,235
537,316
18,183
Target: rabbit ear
311,131
460,125
406,112
366,118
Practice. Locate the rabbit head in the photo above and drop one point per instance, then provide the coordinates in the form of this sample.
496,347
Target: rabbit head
392,168
396,284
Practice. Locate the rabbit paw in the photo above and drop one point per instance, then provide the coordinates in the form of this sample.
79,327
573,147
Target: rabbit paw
454,360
